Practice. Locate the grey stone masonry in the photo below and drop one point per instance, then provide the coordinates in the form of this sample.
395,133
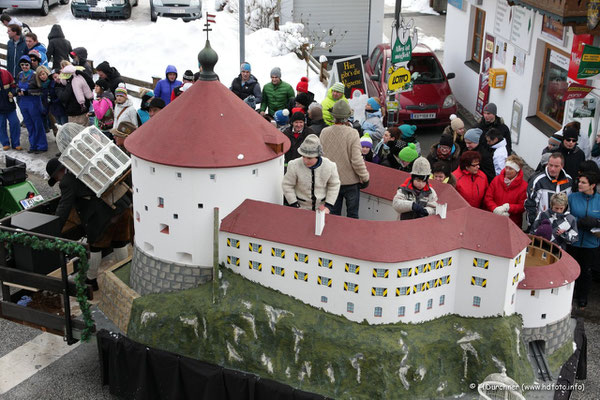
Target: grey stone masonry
152,275
555,335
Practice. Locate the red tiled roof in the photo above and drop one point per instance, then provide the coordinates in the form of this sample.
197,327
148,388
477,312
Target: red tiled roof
384,183
206,127
380,241
554,275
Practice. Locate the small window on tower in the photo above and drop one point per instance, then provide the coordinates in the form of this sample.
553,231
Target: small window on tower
136,190
152,170
146,208
137,216
200,205
164,228
255,172
161,202
175,216
213,177
178,175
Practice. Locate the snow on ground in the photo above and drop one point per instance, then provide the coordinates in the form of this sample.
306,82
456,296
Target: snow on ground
420,6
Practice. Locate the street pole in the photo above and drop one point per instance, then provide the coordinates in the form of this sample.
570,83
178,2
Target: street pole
242,9
396,23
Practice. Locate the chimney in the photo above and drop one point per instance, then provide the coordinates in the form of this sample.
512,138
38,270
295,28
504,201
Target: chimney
319,222
440,209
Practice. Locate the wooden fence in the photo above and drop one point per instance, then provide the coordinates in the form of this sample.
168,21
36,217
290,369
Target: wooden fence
133,85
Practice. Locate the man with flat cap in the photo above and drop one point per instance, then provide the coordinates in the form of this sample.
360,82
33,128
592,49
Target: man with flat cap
103,225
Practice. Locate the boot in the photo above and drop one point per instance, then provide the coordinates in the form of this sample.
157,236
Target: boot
92,273
121,253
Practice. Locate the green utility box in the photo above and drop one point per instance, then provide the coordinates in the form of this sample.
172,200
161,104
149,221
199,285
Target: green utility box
16,192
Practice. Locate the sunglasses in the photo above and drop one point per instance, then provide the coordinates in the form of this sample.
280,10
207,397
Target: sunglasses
25,65
571,140
474,165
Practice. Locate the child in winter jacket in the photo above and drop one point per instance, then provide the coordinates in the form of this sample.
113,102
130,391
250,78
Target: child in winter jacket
366,144
415,198
557,224
103,107
124,109
373,121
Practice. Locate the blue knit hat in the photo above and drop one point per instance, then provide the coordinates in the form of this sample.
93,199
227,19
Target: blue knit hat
282,117
373,103
407,130
245,67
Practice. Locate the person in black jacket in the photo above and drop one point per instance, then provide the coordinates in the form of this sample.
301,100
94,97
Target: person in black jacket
473,143
8,112
110,74
79,55
315,118
571,152
103,225
58,47
246,86
491,119
296,132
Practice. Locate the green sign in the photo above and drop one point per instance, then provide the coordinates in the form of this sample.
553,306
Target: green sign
401,52
589,67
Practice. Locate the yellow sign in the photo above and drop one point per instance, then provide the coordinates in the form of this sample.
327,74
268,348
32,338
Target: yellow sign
398,79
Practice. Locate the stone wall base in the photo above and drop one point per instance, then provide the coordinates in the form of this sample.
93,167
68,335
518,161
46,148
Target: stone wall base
116,298
555,335
152,275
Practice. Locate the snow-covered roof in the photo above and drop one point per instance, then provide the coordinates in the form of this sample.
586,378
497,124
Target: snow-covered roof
207,127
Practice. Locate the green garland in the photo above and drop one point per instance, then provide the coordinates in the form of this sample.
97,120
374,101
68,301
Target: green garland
72,249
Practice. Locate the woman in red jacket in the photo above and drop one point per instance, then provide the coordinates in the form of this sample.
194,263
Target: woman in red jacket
471,183
508,191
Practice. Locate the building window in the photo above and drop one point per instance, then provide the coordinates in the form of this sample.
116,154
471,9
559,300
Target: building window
476,301
275,252
512,299
255,247
353,268
231,260
213,177
255,172
301,276
323,299
478,29
233,243
379,291
403,291
401,311
200,205
543,316
422,268
325,262
517,260
429,304
380,273
378,311
146,208
554,291
417,308
255,265
350,287
442,299
447,261
532,293
137,190
551,105
164,228
161,202
152,170
350,307
324,281
515,279
175,216
481,263
178,175
403,272
477,281
301,258
137,216
277,270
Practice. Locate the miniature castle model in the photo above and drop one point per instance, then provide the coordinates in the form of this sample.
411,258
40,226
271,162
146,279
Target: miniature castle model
209,150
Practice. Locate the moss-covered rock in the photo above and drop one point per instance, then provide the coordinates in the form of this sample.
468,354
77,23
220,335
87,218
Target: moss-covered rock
262,331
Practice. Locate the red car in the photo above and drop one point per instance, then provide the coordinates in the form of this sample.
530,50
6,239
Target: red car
431,101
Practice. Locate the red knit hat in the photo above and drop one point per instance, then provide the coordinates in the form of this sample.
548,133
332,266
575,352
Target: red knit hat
302,86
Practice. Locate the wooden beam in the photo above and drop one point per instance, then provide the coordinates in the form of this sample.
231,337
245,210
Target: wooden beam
41,318
32,280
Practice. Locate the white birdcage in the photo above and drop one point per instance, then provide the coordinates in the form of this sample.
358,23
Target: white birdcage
94,159
66,133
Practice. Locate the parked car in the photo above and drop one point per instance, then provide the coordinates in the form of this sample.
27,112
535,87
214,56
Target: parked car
187,10
42,5
431,101
110,9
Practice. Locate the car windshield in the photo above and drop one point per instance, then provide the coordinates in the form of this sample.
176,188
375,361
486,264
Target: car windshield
427,68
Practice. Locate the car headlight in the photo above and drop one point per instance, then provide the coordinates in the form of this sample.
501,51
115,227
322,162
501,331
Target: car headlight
118,2
194,3
449,101
157,2
79,1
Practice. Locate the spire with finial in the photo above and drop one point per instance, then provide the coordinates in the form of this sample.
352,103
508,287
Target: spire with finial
207,58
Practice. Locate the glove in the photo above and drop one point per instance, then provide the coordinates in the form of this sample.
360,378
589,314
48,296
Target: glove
587,223
502,210
419,210
363,185
295,205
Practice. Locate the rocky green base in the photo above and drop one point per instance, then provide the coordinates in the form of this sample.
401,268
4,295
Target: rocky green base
258,330
123,273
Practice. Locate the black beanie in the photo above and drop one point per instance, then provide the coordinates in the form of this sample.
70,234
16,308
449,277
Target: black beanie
570,132
446,140
157,102
103,84
297,116
303,99
104,66
188,75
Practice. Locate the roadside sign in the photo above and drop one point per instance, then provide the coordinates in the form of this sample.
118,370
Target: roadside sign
399,80
351,73
401,52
